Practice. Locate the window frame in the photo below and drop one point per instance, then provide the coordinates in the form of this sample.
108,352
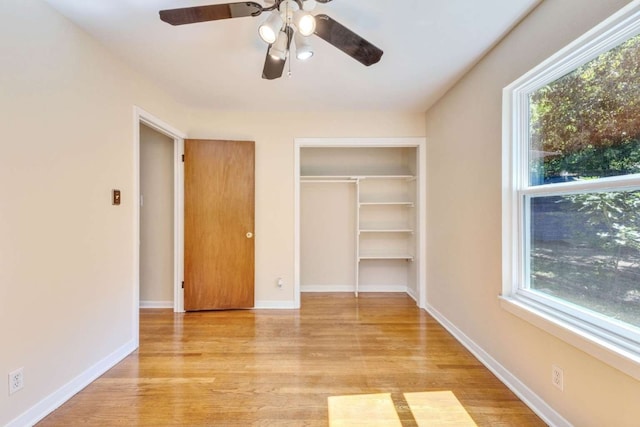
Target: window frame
616,343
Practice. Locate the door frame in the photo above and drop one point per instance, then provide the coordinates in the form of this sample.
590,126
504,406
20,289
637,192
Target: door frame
141,116
420,144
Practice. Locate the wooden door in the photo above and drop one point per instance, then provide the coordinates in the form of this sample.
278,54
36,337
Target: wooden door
218,224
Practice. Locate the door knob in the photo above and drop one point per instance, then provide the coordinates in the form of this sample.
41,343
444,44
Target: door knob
249,235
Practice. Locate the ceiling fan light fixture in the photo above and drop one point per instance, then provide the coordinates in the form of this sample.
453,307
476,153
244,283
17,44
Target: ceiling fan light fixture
270,28
278,50
305,23
284,19
304,50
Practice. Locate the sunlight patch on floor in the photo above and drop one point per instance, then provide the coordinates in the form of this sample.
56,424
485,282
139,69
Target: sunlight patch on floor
438,408
365,410
433,409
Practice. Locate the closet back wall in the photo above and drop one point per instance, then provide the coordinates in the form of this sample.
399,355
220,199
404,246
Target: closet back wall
327,242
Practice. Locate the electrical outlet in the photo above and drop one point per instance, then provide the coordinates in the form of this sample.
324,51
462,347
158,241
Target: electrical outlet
557,377
16,380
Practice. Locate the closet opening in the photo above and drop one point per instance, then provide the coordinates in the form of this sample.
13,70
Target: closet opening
360,223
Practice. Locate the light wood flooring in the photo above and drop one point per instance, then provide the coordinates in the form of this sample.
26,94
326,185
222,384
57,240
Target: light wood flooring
282,368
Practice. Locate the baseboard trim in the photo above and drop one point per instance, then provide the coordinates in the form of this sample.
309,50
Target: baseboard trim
275,305
413,294
156,304
532,400
349,288
384,288
52,402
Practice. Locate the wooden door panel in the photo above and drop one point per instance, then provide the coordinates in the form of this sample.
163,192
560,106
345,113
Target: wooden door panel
218,214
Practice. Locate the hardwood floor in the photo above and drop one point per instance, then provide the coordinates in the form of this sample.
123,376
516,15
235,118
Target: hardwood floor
279,368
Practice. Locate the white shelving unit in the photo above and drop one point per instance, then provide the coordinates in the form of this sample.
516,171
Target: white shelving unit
386,214
385,222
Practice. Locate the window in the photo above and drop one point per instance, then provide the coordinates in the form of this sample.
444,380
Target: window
571,223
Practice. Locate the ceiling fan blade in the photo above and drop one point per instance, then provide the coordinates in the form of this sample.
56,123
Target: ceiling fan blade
346,40
191,15
274,67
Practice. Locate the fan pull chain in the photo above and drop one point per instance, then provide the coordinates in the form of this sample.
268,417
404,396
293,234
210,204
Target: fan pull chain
289,46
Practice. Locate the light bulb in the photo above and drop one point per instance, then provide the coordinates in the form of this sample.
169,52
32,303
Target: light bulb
303,48
305,23
304,55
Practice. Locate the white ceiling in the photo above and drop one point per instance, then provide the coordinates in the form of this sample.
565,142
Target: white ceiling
427,44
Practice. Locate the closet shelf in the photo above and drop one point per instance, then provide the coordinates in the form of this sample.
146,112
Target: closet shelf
385,230
408,204
407,177
353,177
383,257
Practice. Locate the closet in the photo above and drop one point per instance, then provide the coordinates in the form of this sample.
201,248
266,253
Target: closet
360,228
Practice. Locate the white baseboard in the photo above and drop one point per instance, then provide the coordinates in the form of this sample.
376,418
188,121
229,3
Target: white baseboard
274,305
290,305
532,400
350,288
413,294
52,402
156,304
384,288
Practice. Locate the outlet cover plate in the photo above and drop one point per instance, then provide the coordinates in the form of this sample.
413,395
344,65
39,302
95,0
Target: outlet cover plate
557,377
16,380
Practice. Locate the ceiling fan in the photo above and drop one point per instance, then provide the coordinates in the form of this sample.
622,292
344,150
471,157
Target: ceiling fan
290,22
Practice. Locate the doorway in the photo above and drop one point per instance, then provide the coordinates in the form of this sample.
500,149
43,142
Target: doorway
156,219
142,118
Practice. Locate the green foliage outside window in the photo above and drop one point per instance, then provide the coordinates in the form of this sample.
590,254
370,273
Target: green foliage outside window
588,122
586,125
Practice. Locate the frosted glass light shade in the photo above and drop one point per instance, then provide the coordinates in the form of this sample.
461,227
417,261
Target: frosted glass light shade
270,28
278,50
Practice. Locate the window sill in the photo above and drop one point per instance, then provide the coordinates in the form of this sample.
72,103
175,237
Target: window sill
623,359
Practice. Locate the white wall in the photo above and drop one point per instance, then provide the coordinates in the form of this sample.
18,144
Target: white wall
156,218
464,214
66,254
274,133
327,236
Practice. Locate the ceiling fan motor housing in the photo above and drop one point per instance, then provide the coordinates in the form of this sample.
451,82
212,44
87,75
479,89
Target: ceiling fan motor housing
307,5
287,8
293,16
